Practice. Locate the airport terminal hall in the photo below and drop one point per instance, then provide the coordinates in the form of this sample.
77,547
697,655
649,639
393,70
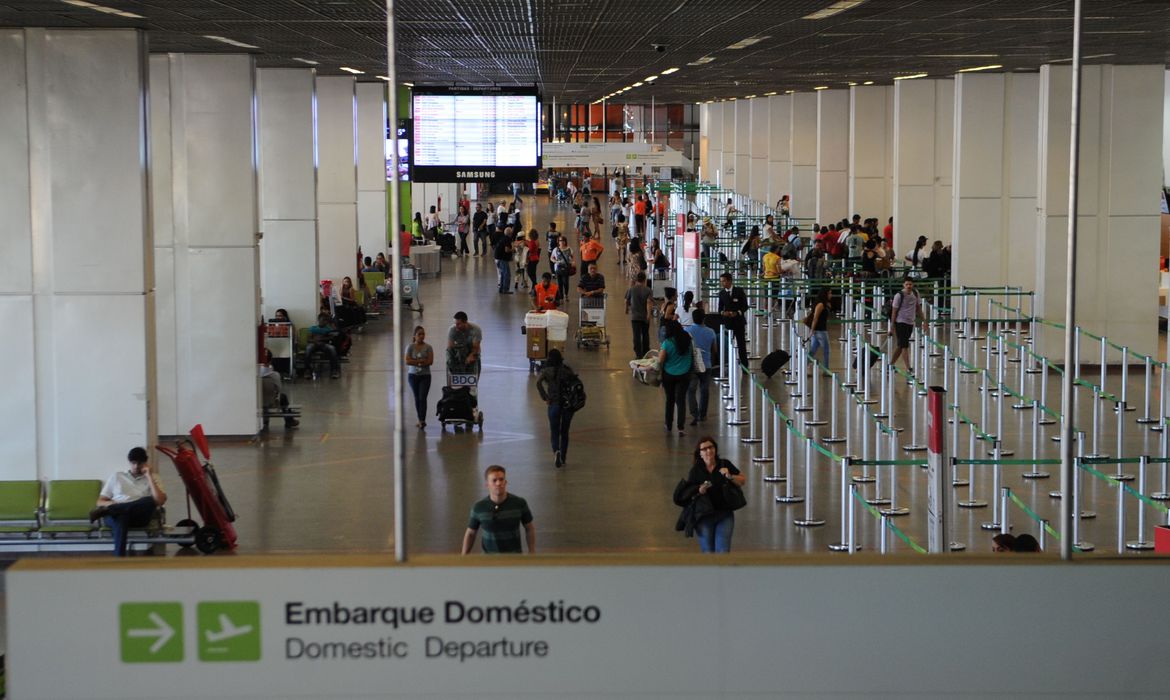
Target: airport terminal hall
543,348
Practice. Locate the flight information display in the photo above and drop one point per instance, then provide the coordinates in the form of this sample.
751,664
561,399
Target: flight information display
464,134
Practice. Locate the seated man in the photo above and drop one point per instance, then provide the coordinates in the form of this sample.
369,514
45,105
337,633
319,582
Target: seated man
545,294
592,283
129,499
321,341
271,392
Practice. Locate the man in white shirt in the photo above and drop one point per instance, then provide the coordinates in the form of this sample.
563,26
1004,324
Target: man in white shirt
129,499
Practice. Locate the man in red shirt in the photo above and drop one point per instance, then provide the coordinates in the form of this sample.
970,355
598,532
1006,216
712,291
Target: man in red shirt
403,241
591,250
888,233
640,215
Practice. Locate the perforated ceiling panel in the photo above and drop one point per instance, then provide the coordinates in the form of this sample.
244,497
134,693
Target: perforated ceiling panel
582,50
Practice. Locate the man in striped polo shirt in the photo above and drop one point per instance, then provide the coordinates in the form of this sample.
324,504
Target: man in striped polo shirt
500,515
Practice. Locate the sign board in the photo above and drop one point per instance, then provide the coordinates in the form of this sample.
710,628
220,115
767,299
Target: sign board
938,473
242,628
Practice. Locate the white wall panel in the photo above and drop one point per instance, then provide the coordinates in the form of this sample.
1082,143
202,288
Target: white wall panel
337,238
804,155
15,222
166,342
218,384
288,270
18,424
832,154
779,148
112,416
371,174
870,151
161,161
336,260
371,216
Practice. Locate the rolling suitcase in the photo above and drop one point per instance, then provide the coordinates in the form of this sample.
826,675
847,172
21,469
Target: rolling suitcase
772,363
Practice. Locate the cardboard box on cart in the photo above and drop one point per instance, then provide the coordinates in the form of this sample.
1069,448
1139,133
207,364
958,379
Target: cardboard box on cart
537,343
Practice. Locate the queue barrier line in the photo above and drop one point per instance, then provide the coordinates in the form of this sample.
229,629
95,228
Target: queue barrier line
1006,462
1134,354
872,510
1114,482
889,463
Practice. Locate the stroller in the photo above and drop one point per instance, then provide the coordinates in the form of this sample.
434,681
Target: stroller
203,488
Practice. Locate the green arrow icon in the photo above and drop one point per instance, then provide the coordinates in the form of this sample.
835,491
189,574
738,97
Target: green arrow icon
229,631
151,632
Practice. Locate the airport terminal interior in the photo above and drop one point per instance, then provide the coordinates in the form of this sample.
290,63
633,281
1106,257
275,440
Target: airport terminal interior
950,117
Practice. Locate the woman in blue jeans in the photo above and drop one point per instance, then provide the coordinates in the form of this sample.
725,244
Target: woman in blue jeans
822,308
549,384
708,477
419,358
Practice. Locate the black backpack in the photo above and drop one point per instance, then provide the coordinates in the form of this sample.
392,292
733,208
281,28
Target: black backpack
572,391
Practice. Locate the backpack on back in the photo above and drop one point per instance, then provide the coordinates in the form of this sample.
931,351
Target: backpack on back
572,391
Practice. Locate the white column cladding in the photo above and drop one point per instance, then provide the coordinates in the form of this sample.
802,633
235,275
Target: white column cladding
743,147
1119,220
703,167
871,157
74,252
729,171
779,148
371,172
1166,131
208,271
923,130
714,172
832,155
337,239
804,155
288,192
994,198
758,152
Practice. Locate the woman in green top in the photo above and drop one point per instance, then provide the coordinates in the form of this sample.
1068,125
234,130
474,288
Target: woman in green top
416,227
675,360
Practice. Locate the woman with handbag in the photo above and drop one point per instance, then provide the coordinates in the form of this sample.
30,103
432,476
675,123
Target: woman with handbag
719,482
676,358
563,268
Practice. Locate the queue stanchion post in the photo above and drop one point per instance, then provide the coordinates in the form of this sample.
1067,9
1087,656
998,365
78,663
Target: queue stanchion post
834,398
972,501
975,329
851,350
789,453
1121,475
1140,544
1103,359
915,445
755,343
1076,524
1035,473
886,389
983,398
853,546
1044,420
878,498
894,510
1096,453
794,345
721,378
865,477
1164,494
845,490
964,329
1160,424
1125,380
767,429
1148,365
864,371
1022,404
775,476
753,419
1043,538
956,423
996,479
815,419
1003,393
1005,495
808,520
883,536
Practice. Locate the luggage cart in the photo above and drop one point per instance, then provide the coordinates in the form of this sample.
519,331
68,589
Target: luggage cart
202,484
591,322
459,405
409,287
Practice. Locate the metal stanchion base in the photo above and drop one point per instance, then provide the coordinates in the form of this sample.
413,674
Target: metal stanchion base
1033,371
1146,421
790,382
881,415
1084,546
972,504
1002,453
815,422
1122,477
869,402
1097,456
959,483
736,421
833,439
750,441
990,525
801,522
958,547
863,479
1021,406
1046,421
775,479
878,501
1035,475
1140,545
849,385
1014,359
842,547
922,392
935,354
803,409
790,499
753,357
1160,496
895,512
1156,428
913,448
1127,408
968,370
762,458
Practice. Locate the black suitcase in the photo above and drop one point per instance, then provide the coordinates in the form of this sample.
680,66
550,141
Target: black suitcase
456,404
874,357
772,363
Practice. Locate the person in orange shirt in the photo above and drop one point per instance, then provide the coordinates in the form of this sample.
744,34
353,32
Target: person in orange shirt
640,216
545,293
591,250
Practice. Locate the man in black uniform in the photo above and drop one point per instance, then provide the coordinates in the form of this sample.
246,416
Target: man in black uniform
479,228
733,307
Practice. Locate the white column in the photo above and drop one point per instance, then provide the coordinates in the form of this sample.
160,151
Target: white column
288,193
208,264
337,177
74,253
371,172
871,157
715,144
994,196
758,165
779,148
804,155
703,167
1119,221
923,129
1166,131
743,145
729,169
832,154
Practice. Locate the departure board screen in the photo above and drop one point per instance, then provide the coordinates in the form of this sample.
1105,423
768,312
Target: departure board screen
467,134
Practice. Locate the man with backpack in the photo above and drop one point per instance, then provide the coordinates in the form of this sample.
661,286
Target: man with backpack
563,391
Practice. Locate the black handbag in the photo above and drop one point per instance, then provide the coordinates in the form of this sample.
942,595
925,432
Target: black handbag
733,496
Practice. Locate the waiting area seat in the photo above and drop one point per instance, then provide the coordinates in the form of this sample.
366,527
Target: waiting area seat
56,512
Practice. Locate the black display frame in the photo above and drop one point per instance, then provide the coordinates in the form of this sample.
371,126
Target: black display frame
484,173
